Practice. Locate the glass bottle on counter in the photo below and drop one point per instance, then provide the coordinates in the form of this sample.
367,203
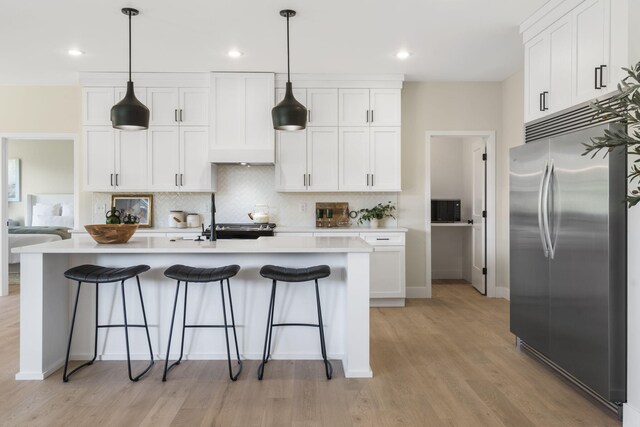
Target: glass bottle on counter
319,216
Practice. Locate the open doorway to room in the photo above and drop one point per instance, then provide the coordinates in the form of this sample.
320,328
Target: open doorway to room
460,189
40,197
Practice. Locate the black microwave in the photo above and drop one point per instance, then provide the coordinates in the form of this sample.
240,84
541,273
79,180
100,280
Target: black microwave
445,210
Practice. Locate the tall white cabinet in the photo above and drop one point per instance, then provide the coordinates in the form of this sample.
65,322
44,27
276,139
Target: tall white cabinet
352,141
172,155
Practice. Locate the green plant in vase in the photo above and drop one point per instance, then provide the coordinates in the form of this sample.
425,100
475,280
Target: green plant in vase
377,213
624,108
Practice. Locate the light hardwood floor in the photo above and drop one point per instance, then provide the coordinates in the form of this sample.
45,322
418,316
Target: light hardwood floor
448,361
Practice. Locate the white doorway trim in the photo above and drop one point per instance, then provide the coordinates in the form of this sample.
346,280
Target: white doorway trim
490,139
4,204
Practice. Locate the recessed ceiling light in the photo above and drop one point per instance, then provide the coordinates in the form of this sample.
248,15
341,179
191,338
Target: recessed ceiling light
403,54
235,53
75,52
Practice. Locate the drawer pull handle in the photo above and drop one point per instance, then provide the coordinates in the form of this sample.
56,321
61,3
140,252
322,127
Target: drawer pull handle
382,238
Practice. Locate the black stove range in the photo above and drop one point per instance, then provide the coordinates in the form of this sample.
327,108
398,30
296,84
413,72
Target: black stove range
241,231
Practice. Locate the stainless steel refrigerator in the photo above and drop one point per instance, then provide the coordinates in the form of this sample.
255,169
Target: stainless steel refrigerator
568,257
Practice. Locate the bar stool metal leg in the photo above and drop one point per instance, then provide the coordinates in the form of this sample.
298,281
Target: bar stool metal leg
173,318
126,336
226,332
267,337
327,365
144,316
184,322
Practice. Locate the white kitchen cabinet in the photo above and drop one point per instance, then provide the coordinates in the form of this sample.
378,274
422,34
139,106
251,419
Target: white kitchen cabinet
322,106
140,92
195,168
369,159
560,65
388,272
537,79
184,106
369,107
99,158
354,167
592,41
240,123
178,159
96,105
307,160
130,160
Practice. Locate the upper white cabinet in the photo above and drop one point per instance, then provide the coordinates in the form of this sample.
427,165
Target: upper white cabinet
96,105
369,107
322,107
178,106
240,123
574,52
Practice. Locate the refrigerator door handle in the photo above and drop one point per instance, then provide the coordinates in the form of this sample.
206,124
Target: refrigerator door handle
543,235
546,212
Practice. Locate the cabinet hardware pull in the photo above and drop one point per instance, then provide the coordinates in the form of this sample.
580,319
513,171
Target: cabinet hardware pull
372,180
367,180
304,179
112,180
367,116
382,238
544,101
309,113
181,115
540,102
117,180
309,180
597,86
602,67
176,179
181,182
175,115
371,116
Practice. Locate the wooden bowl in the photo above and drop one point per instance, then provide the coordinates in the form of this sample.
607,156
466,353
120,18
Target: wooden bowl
111,233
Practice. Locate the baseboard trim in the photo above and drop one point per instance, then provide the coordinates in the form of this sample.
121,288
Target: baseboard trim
386,302
630,415
417,292
503,293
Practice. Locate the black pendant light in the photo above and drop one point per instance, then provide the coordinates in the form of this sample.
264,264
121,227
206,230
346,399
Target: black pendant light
289,114
130,114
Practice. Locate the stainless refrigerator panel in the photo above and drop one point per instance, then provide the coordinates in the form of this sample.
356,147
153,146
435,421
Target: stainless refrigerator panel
579,285
529,266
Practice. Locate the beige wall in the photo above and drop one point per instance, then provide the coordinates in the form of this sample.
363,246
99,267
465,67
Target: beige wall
435,107
46,167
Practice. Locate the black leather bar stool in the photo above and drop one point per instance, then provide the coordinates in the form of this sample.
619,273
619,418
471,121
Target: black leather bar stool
285,274
96,274
183,273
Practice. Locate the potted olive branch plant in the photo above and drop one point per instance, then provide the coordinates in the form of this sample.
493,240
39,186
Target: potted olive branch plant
377,213
624,108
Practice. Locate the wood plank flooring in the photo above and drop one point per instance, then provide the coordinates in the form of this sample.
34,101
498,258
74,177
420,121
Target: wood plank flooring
448,361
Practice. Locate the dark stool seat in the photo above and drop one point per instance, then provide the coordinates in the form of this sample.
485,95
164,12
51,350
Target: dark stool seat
201,275
186,274
294,275
97,274
286,274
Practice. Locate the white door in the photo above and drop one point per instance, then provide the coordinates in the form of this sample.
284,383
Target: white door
322,159
96,105
322,105
163,104
384,158
99,158
537,63
291,161
353,107
385,107
131,160
164,160
591,22
561,47
195,168
193,106
354,159
477,209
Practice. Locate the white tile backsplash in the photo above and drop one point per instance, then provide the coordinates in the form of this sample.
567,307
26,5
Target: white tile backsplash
239,189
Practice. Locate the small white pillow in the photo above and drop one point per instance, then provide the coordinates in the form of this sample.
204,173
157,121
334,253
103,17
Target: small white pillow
48,210
52,221
67,209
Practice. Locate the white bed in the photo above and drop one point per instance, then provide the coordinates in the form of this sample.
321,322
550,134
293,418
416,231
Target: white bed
19,240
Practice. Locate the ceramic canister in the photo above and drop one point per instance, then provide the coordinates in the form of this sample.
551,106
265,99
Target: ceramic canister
175,218
193,220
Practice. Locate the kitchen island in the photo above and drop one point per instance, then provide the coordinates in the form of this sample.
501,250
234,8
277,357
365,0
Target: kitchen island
46,299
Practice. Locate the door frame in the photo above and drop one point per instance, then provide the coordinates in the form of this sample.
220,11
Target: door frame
490,202
4,204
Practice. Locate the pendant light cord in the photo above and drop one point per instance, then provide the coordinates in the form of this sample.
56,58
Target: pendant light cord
288,60
129,45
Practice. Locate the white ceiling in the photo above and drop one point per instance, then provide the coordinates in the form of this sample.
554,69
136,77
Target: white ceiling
451,40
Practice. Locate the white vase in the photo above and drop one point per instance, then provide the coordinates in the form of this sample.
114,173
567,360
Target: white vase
374,223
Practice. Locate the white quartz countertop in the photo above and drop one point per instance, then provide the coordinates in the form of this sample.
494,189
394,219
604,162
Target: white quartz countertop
285,229
141,244
153,230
